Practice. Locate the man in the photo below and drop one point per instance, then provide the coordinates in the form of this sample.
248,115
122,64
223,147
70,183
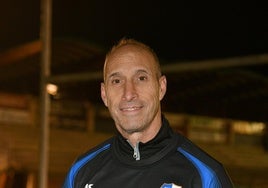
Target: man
146,153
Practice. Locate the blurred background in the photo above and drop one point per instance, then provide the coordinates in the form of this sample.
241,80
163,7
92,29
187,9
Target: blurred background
214,54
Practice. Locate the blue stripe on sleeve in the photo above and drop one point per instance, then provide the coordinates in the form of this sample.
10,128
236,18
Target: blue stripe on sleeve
69,182
208,176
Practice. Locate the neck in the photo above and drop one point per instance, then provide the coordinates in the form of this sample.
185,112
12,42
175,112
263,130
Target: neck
144,135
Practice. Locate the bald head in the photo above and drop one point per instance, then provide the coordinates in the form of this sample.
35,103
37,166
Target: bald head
130,45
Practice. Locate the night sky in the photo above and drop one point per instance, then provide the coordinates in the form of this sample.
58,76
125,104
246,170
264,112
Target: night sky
176,30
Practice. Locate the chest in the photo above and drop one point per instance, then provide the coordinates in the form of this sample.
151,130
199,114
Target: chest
112,173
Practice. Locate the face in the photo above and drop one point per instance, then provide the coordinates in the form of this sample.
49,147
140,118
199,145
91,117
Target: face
132,89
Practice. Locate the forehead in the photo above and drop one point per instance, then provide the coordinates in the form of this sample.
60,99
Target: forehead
129,57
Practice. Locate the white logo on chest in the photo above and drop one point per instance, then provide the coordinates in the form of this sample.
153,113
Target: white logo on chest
88,185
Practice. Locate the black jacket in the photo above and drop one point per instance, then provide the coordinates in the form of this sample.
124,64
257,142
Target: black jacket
169,160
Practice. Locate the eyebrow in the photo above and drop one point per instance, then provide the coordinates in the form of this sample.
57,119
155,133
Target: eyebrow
136,72
142,71
113,74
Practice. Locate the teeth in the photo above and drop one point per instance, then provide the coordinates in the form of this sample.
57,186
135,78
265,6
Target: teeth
130,108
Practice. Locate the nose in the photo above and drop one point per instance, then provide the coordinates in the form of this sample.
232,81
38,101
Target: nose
130,92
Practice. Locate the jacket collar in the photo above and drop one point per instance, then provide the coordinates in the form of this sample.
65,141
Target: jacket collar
150,151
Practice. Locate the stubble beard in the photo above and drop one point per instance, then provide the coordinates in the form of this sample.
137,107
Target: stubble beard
131,125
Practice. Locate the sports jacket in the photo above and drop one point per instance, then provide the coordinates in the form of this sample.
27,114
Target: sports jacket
169,160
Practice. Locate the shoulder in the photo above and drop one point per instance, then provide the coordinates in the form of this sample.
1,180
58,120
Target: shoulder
84,160
90,154
188,147
211,171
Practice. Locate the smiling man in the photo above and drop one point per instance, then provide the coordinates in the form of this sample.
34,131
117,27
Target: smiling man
146,152
132,90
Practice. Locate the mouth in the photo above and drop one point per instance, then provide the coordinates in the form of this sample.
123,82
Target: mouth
131,108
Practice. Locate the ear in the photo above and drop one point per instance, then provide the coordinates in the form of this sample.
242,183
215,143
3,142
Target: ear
163,87
103,94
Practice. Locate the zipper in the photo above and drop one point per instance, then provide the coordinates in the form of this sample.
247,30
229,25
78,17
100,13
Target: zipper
136,154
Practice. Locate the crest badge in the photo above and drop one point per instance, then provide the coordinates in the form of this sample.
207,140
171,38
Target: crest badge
170,185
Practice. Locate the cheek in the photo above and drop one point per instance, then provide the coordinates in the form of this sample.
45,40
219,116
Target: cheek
113,97
153,89
149,93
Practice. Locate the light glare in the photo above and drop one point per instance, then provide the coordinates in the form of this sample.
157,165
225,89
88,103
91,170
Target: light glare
52,89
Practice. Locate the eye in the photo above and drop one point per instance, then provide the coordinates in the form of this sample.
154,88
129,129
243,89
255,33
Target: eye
142,78
116,81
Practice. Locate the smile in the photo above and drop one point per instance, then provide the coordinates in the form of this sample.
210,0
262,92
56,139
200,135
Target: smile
130,109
